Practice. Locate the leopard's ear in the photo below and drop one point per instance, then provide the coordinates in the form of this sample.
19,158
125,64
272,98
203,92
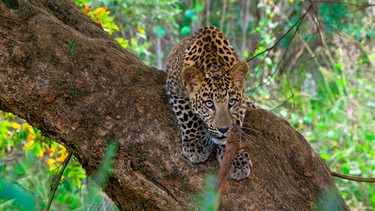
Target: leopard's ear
238,73
191,78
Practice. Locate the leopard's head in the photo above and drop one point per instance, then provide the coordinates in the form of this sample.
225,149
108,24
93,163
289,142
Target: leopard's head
216,97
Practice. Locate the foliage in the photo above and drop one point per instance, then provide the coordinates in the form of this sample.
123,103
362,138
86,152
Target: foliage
99,15
141,23
26,160
190,17
102,174
323,86
208,199
15,194
134,45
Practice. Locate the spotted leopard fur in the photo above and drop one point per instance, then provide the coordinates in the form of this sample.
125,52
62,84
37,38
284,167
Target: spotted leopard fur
205,85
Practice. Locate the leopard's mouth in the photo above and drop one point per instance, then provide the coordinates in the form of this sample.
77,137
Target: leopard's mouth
218,135
219,138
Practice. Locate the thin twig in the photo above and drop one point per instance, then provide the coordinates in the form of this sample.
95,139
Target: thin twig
283,36
352,178
297,25
57,181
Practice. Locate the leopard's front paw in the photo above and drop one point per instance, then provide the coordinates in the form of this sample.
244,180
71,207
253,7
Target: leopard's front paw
241,166
197,157
197,153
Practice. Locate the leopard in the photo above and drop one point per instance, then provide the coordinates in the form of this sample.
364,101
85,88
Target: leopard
205,87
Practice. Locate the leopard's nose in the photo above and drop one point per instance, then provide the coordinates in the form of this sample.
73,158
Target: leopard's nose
223,129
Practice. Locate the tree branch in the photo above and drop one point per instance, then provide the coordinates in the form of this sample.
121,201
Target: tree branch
100,92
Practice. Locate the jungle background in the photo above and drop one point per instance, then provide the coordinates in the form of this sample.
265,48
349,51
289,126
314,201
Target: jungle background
311,62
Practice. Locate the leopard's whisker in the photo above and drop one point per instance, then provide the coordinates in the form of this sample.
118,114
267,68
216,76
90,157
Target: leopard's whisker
247,137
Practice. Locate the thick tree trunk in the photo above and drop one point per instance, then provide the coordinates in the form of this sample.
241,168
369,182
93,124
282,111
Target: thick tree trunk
87,94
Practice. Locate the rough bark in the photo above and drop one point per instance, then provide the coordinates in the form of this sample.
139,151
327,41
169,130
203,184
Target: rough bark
101,92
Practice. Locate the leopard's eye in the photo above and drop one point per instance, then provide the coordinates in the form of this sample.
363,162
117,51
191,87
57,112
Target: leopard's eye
232,102
209,104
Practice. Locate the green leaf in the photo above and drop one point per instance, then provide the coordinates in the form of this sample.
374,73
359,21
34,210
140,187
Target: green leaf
198,7
185,30
341,83
345,168
72,46
194,19
10,191
160,31
189,13
307,119
268,61
325,156
369,136
338,65
246,53
102,174
124,43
